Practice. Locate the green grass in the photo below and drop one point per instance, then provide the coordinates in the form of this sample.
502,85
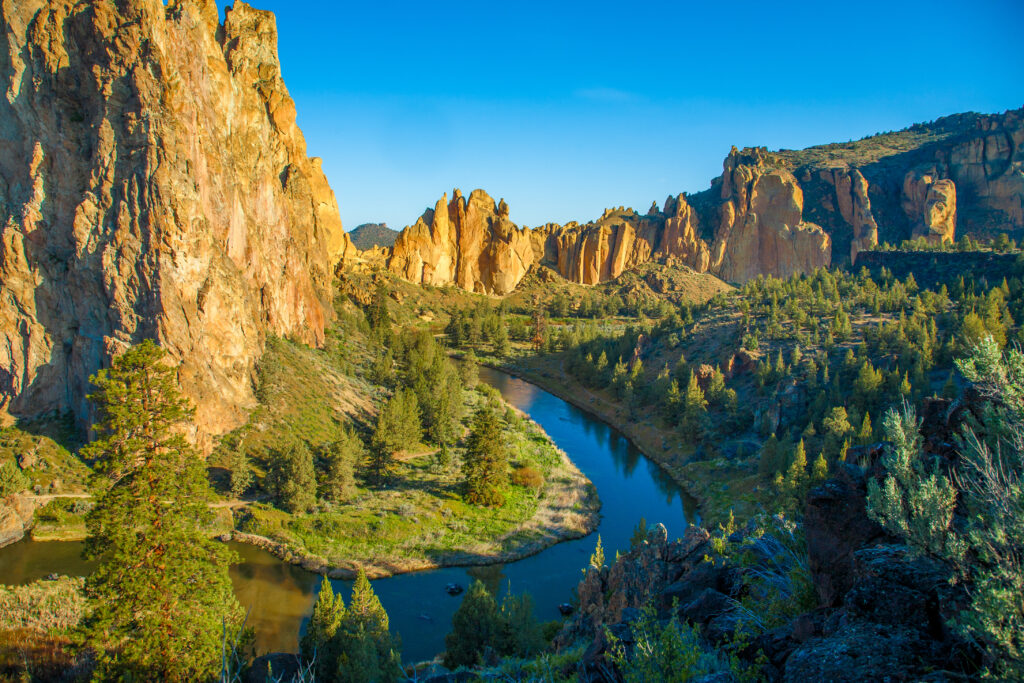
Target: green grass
420,519
44,450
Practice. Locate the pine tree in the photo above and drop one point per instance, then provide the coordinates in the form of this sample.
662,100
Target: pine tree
796,476
161,597
866,434
819,470
695,409
293,478
673,401
476,627
340,458
770,461
366,652
485,463
398,428
318,642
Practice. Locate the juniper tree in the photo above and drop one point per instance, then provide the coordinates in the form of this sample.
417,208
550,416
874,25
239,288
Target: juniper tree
352,644
485,463
398,428
476,628
317,643
160,598
366,651
292,478
339,459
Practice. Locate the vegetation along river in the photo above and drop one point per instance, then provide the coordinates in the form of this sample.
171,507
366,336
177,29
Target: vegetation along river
280,596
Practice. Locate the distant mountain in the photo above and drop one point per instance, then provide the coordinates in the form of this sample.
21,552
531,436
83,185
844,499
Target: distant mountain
369,235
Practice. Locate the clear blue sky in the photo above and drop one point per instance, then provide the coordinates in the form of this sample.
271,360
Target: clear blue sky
566,108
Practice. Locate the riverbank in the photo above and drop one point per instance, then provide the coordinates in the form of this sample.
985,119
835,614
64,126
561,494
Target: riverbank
706,482
568,508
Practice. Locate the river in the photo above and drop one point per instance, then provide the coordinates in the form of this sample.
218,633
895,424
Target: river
280,596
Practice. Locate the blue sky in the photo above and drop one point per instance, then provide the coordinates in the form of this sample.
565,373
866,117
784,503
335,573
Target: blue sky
566,108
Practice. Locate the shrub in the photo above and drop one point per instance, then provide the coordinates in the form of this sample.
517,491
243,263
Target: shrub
528,477
12,479
917,502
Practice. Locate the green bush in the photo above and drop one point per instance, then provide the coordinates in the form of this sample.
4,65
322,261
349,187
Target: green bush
12,479
917,502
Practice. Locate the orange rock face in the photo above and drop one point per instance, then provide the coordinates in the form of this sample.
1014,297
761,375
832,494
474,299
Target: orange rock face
153,183
761,230
474,244
930,204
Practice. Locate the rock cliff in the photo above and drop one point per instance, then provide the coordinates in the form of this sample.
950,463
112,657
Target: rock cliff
771,213
153,183
960,174
760,230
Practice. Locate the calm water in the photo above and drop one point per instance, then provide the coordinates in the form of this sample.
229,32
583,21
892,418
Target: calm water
280,596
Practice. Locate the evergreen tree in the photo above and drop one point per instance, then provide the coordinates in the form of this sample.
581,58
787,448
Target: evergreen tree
379,318
866,434
476,627
318,642
597,558
398,428
819,470
161,597
695,409
796,476
485,463
521,633
366,652
771,458
340,458
293,478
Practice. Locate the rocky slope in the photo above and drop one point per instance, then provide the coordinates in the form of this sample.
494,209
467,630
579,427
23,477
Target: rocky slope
878,610
772,213
153,183
370,235
959,174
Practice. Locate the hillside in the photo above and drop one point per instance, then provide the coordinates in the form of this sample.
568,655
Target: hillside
370,235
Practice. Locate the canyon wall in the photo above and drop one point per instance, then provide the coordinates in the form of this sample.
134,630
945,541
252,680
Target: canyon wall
153,183
760,231
769,213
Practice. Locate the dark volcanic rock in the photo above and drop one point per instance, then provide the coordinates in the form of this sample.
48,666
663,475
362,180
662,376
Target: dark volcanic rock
837,524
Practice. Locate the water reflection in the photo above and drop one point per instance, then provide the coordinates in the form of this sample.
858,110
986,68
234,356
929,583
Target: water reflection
280,596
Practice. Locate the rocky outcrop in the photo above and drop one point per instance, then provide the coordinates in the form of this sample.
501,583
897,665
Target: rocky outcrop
153,183
15,517
769,213
475,246
472,244
961,174
761,229
930,204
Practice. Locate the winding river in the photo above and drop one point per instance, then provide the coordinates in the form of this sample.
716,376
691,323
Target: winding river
280,596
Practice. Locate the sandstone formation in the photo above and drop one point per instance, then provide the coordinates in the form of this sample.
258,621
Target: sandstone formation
153,183
761,229
930,204
474,244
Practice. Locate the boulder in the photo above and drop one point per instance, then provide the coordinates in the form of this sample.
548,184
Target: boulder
836,524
